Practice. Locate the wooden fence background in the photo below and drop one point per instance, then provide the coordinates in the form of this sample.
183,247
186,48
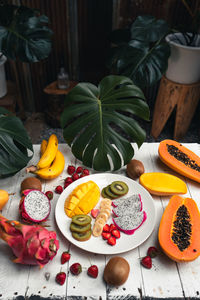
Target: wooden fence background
81,40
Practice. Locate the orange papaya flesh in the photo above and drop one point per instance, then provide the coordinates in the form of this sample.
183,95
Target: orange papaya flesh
179,229
180,159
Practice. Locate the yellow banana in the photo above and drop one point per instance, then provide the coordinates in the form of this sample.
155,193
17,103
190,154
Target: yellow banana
50,152
55,169
43,147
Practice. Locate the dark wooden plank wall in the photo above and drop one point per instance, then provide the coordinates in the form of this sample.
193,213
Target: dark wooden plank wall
80,40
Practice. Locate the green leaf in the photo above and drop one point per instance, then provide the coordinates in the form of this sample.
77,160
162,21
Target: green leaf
24,34
93,117
14,144
144,58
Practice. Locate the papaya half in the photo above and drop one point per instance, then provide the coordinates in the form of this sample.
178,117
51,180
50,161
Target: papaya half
179,229
162,184
180,159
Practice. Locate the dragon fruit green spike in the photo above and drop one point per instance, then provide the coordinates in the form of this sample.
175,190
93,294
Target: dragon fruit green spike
31,244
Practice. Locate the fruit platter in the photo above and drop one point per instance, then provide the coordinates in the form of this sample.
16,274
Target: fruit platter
126,242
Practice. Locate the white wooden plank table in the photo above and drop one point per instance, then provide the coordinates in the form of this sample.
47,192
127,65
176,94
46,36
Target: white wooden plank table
166,279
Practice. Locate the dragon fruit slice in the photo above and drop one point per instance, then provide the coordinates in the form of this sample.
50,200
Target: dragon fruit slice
31,244
34,206
130,223
128,207
132,198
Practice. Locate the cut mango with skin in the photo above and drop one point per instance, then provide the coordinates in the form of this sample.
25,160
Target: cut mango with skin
82,199
162,184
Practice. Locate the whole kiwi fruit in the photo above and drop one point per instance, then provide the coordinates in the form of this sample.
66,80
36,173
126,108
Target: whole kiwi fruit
135,169
116,271
31,183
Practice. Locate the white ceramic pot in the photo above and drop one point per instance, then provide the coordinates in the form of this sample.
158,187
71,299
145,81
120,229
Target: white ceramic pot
184,61
3,84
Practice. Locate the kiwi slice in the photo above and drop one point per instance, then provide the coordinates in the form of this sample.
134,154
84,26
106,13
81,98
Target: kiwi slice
81,219
82,236
119,188
80,228
103,193
110,193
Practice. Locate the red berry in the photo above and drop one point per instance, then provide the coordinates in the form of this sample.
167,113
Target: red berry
60,278
71,170
68,180
76,269
79,170
49,195
106,235
66,185
106,228
75,176
86,172
59,189
115,233
93,271
112,227
146,262
152,252
82,175
65,257
94,213
111,241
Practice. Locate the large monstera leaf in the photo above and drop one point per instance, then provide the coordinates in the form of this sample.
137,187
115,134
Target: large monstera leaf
143,53
14,144
93,117
24,34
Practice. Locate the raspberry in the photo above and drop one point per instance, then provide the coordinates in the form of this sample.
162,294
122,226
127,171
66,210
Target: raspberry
59,189
71,170
75,176
86,172
79,170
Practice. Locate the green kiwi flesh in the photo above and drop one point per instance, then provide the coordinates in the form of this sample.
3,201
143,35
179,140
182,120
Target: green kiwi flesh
80,228
82,236
119,188
110,193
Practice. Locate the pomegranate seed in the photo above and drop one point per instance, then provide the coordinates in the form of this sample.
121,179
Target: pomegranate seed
86,172
71,170
59,189
75,176
79,170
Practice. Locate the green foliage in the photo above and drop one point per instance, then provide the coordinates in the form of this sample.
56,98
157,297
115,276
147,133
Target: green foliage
143,53
23,34
89,115
14,144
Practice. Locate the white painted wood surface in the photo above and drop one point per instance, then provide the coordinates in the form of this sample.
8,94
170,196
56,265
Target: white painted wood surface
166,279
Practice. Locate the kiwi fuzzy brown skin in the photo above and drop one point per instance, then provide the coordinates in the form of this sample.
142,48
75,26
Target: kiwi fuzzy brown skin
119,188
31,183
116,271
82,236
135,169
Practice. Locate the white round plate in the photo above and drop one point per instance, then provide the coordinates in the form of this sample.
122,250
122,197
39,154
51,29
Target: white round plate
97,244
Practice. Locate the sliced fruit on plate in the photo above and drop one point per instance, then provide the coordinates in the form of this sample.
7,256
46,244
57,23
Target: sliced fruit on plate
129,223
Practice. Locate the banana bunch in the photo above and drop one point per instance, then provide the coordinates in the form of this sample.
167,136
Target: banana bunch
52,161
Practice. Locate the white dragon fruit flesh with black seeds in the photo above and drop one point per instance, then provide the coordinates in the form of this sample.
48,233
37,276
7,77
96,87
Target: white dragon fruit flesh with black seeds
130,223
34,206
127,208
131,199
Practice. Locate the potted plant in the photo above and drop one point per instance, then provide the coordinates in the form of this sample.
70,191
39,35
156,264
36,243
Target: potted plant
184,61
98,122
140,51
24,36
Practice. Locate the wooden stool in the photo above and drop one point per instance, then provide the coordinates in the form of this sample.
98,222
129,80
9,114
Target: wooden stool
184,96
55,102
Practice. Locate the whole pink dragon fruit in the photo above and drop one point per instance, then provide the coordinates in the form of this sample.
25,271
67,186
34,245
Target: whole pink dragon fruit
31,244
